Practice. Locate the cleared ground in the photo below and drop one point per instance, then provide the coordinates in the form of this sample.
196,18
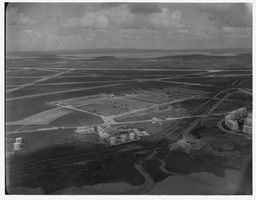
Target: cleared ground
76,119
43,118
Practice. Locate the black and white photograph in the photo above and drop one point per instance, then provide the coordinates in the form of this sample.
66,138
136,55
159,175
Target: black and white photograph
128,98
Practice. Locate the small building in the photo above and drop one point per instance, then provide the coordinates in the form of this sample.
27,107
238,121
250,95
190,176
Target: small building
123,138
18,140
112,140
248,121
247,129
85,130
132,135
16,146
145,133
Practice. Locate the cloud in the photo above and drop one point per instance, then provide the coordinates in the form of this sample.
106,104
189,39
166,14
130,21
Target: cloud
14,18
236,32
232,15
121,17
165,19
143,8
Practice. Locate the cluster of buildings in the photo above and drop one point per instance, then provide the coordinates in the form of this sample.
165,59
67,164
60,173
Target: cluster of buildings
239,118
113,136
118,136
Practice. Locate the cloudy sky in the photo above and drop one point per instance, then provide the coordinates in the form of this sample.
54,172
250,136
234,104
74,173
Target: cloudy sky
50,26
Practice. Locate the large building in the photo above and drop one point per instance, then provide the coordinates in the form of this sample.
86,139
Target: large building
231,124
230,119
247,128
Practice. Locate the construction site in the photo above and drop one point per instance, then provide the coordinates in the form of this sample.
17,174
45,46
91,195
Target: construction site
111,108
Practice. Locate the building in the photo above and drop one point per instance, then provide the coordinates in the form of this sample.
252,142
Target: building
233,114
241,112
16,146
132,135
231,124
102,132
228,117
112,140
85,130
247,129
248,121
18,140
123,138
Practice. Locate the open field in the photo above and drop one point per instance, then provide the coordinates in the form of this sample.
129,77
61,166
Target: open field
43,118
29,72
18,80
154,97
31,90
113,106
82,79
150,114
76,119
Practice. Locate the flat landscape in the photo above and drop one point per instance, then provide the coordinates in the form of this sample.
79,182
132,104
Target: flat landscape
45,106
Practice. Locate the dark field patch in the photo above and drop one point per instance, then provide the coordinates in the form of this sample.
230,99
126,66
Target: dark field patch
152,167
141,72
81,79
9,128
179,162
246,84
19,81
230,106
190,105
113,168
29,72
31,90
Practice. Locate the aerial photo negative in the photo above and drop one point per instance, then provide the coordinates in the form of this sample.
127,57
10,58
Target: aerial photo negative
128,98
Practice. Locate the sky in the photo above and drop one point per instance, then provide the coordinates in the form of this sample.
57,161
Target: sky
58,26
